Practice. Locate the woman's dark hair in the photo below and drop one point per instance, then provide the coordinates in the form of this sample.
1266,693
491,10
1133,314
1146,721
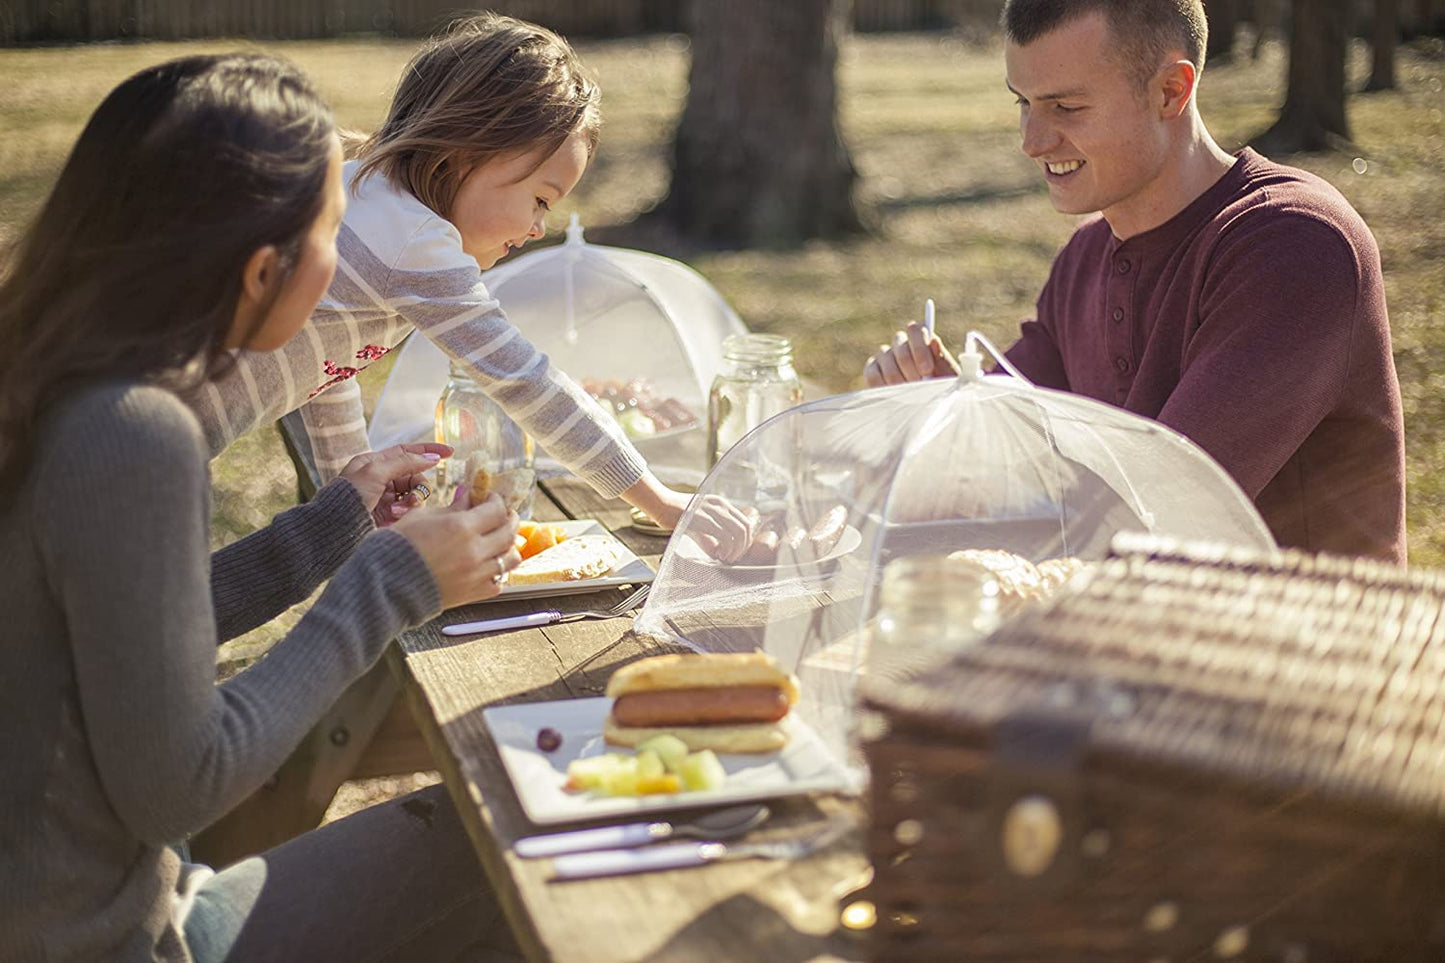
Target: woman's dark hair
132,268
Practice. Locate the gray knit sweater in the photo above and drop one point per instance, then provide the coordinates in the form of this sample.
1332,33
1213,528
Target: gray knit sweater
117,740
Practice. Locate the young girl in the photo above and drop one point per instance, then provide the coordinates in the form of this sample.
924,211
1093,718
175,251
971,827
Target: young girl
197,214
491,125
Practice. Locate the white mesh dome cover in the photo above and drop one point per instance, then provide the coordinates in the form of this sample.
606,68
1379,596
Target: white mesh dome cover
641,329
925,469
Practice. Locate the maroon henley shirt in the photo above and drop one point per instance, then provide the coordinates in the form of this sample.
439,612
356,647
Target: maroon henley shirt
1253,322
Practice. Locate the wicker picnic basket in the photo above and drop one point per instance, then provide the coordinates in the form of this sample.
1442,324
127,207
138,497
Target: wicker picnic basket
1194,755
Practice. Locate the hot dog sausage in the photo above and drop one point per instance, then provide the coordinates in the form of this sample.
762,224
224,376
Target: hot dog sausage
825,534
698,707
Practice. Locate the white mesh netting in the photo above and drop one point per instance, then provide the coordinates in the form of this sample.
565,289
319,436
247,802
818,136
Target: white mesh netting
924,469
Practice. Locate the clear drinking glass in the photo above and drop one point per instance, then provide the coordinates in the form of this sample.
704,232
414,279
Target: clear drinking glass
483,436
757,382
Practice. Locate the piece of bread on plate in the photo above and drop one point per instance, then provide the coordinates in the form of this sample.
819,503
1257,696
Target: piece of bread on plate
580,557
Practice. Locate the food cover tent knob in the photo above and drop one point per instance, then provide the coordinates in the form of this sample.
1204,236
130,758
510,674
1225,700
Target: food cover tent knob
574,229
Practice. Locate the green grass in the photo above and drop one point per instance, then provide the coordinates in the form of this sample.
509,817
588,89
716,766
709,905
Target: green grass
963,216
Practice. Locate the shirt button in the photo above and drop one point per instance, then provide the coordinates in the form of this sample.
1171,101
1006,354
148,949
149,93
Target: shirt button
1121,365
1124,266
1118,315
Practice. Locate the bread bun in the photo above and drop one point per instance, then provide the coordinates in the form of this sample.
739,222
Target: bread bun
512,486
750,738
702,671
1054,572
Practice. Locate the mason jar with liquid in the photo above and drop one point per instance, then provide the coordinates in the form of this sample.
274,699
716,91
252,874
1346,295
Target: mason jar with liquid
757,381
484,437
930,607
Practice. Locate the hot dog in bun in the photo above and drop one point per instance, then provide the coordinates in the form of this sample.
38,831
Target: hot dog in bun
733,702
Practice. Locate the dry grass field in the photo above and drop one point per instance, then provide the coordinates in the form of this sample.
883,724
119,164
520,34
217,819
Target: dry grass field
963,216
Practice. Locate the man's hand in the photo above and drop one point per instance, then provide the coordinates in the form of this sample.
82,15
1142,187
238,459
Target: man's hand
915,355
388,481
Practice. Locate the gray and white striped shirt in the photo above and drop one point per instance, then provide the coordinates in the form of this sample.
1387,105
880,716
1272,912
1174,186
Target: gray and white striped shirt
402,266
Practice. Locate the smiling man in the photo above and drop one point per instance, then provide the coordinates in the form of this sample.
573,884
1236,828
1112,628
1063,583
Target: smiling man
1236,300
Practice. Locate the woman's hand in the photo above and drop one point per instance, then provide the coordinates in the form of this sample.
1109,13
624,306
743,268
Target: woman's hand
915,355
469,551
390,481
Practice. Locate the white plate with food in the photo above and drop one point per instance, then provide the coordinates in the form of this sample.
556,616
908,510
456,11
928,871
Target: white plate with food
564,570
546,746
785,559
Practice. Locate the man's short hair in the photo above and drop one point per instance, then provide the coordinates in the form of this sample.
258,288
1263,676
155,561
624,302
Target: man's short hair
1146,30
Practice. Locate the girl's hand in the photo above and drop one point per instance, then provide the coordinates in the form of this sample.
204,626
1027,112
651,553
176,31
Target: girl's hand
915,355
469,551
390,481
720,528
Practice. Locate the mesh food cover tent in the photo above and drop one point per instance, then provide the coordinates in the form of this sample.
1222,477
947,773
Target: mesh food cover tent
929,469
642,333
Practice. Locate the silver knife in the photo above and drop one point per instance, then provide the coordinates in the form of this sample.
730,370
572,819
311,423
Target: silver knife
619,862
718,824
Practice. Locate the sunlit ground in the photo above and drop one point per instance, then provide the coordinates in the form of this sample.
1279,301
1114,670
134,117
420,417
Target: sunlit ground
964,217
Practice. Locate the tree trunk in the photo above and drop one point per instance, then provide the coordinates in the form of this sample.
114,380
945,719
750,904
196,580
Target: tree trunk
1313,115
758,160
1223,17
1387,35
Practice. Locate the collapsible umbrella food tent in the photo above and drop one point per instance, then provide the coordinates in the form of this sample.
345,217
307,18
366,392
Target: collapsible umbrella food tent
643,334
1008,474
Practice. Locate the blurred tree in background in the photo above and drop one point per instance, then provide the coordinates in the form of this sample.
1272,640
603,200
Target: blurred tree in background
1313,115
758,159
1386,36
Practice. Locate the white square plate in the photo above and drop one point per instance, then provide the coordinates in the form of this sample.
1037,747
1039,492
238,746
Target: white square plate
802,766
630,570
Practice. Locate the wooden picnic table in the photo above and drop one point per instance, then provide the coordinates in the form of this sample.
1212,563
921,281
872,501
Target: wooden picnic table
735,910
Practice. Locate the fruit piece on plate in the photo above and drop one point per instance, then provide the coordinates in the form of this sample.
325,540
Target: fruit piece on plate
669,748
701,770
649,765
621,780
542,538
636,424
667,782
588,773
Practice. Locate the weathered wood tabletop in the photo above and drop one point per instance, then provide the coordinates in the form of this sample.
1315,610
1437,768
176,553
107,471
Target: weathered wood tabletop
731,911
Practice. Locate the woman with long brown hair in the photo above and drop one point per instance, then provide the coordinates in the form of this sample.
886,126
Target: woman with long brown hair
197,216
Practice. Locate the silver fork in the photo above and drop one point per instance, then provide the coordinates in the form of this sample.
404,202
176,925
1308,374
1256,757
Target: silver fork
548,617
619,862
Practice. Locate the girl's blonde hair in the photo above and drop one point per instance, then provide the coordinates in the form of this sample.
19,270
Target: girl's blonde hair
489,87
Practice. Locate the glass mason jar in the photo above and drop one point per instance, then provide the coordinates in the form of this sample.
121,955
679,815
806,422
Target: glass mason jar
757,382
483,436
929,607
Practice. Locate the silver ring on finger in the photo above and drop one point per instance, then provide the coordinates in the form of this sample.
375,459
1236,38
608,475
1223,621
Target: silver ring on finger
501,576
421,490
